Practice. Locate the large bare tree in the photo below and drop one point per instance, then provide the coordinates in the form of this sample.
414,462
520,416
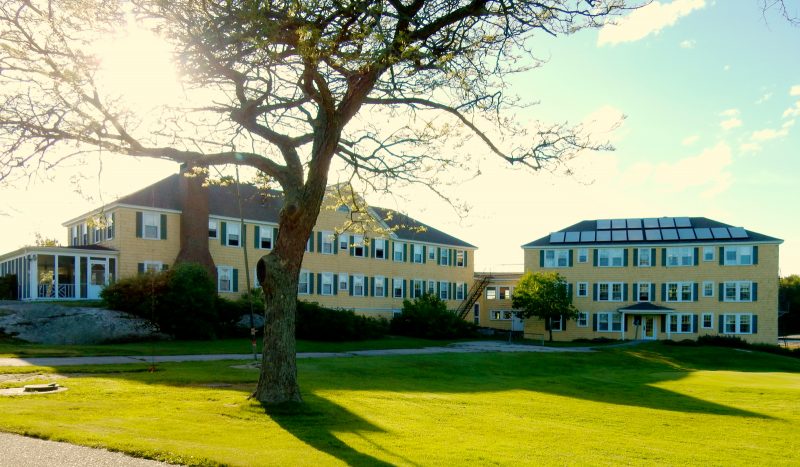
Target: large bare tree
285,87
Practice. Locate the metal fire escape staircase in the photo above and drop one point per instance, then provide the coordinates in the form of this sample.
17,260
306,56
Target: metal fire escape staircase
472,296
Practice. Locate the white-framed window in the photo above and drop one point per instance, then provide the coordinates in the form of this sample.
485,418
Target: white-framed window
379,246
708,253
397,287
680,291
416,256
504,293
213,229
644,292
444,256
461,290
304,284
583,289
609,322
328,240
583,255
460,255
109,226
85,236
358,246
707,321
432,287
557,324
737,323
265,238
708,288
343,285
680,323
344,242
444,290
645,261
738,255
610,257
151,225
224,279
501,315
380,289
738,291
609,291
153,266
96,233
397,251
417,288
491,293
556,258
583,319
359,290
233,234
326,283
74,231
680,256
431,253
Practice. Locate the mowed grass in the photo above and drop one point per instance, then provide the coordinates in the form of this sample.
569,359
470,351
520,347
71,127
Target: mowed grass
641,405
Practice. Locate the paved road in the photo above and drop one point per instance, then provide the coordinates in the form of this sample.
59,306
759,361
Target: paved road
19,451
461,347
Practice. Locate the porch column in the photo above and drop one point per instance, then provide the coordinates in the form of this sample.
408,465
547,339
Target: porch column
55,277
666,320
33,277
77,268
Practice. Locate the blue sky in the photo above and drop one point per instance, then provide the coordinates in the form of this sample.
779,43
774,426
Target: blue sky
710,91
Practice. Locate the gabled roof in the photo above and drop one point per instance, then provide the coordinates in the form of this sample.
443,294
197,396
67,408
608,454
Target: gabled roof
265,206
664,230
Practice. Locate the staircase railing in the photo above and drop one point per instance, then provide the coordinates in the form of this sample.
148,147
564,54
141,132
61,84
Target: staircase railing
472,296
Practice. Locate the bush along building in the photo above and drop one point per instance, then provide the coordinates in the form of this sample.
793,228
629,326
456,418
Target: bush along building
656,278
386,258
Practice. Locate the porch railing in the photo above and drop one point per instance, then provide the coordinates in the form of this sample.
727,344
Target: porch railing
51,291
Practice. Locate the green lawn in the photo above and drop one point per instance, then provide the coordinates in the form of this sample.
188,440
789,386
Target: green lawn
650,404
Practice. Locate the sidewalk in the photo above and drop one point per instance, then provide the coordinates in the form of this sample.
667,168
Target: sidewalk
461,347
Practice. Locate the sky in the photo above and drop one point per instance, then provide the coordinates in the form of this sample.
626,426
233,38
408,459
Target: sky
699,98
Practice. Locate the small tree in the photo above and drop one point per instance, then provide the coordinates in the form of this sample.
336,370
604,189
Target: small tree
544,295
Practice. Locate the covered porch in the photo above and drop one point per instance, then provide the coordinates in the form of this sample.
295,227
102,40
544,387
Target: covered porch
60,273
649,320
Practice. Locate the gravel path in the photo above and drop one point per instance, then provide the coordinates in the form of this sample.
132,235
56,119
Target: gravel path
20,451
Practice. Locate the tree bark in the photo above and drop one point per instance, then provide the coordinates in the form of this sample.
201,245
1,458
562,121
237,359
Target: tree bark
194,221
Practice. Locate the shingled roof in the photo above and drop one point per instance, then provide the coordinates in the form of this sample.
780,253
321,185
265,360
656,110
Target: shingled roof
264,206
663,230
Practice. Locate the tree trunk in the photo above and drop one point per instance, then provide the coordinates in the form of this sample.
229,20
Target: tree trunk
194,221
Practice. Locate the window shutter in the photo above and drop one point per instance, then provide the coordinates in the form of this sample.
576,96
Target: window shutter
140,268
653,256
243,240
635,257
541,258
139,224
569,291
164,267
755,324
113,224
319,283
694,292
369,284
721,259
223,231
563,322
594,291
256,237
335,244
754,293
335,284
635,289
653,292
755,254
721,291
594,321
405,258
311,242
570,257
319,242
274,236
721,323
235,280
696,258
664,257
404,288
663,323
425,255
163,226
694,323
625,257
310,282
352,247
625,323
351,284
664,292
625,292
594,258
366,252
385,286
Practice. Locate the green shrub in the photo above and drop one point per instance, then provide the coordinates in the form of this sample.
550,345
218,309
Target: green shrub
8,287
427,317
181,302
739,343
315,322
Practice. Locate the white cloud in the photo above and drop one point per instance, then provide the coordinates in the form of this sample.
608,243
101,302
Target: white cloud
688,44
730,123
764,98
650,19
750,147
689,140
795,90
726,68
792,111
729,113
768,134
604,122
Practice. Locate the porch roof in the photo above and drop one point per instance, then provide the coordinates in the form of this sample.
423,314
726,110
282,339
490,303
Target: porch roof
60,250
646,308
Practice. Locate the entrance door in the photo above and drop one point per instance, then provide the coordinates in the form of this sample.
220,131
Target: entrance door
97,278
649,331
517,324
